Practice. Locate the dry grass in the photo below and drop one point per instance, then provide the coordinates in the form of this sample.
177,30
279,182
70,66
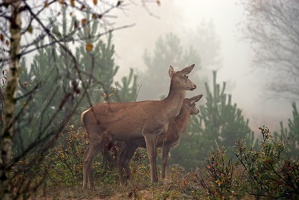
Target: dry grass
176,187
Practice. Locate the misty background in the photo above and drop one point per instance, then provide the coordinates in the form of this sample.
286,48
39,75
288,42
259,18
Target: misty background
227,21
70,55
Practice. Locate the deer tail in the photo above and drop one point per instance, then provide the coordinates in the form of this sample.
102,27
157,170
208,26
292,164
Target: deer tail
84,117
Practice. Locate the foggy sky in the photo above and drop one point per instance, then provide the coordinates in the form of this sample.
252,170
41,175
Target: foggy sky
177,16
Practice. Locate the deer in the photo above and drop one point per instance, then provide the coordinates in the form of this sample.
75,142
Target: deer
170,139
127,121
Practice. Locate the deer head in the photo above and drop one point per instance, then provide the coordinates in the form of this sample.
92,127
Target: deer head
191,104
181,78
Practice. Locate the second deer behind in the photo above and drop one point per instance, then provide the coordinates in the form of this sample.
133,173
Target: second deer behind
127,121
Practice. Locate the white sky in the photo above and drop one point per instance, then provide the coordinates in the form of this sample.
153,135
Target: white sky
179,15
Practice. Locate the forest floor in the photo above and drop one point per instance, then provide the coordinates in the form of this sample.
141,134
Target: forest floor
178,186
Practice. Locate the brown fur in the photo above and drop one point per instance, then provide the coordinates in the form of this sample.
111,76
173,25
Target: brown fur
127,121
177,126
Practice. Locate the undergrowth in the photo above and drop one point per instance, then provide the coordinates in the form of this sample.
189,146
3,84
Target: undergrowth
264,173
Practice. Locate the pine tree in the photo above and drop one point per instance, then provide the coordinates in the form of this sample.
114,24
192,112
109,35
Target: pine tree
207,43
99,68
127,90
290,133
51,75
220,123
168,51
223,121
48,82
44,85
97,64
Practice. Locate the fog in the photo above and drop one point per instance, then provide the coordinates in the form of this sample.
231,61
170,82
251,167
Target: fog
177,16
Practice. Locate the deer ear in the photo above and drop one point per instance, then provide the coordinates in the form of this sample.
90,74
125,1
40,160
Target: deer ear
187,70
171,71
196,98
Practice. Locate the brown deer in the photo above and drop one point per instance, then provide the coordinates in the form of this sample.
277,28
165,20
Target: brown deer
126,121
176,127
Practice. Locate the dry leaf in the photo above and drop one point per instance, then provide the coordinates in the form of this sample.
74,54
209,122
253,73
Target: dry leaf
46,4
30,29
83,21
89,47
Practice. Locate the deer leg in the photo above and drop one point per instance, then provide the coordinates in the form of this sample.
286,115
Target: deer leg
165,157
84,168
93,149
129,154
120,165
120,168
151,151
124,160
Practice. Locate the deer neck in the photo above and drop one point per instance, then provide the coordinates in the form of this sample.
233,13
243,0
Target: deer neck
182,119
173,102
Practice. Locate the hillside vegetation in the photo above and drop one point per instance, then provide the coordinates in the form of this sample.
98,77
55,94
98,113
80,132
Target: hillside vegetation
266,173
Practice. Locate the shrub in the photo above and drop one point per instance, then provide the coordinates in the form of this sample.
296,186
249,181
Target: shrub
264,173
218,179
61,166
270,172
65,160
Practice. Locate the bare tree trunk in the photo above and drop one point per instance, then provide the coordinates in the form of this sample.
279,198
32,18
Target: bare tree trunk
10,101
